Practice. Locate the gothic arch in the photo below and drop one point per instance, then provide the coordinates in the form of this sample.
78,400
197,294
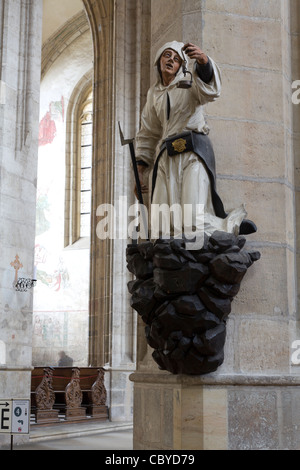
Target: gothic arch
80,91
121,39
101,19
62,38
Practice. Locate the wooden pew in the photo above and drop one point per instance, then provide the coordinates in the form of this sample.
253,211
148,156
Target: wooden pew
94,392
77,393
68,394
43,396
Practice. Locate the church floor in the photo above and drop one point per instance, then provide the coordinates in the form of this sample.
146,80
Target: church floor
91,436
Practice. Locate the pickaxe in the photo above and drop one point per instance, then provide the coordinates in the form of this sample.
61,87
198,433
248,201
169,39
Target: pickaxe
136,175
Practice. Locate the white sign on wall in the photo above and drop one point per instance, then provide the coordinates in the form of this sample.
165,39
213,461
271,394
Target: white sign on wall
5,416
2,353
14,416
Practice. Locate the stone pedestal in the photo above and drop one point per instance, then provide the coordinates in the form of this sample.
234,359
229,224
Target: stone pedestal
229,412
184,297
47,416
99,412
73,414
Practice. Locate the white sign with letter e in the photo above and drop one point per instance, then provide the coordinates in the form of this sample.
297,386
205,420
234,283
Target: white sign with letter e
5,416
14,416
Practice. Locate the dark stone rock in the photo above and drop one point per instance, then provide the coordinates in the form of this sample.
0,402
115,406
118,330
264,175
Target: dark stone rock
189,305
163,247
146,250
204,258
178,246
162,295
184,298
138,265
218,305
169,320
222,241
221,289
231,268
143,300
254,255
169,262
181,280
210,342
133,285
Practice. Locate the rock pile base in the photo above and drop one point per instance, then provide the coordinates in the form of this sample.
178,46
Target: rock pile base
184,298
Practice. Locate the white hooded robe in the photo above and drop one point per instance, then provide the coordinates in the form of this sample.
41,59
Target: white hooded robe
182,179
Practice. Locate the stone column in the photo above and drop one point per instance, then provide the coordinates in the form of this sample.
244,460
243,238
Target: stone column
20,65
132,50
101,17
224,412
248,403
121,50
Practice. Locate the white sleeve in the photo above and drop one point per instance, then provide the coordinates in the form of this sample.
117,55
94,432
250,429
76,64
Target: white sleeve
207,92
149,134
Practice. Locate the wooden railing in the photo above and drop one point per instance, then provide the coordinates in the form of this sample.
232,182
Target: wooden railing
61,394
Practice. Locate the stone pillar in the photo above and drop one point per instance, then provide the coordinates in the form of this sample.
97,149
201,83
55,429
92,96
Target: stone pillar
248,402
121,53
20,64
224,412
101,17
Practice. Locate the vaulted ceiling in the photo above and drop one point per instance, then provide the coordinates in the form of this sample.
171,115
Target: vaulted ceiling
56,13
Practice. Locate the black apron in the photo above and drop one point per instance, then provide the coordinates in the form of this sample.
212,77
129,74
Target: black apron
201,145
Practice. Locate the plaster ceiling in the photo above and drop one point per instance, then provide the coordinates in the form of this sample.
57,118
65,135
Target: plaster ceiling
56,13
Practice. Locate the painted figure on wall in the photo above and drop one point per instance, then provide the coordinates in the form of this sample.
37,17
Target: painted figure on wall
183,169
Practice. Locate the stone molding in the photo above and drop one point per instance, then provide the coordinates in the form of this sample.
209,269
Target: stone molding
62,39
101,20
216,380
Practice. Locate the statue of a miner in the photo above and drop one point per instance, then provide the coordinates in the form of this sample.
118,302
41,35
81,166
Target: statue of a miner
184,293
173,146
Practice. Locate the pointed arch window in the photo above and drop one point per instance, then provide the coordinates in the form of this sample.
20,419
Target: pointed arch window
85,157
79,149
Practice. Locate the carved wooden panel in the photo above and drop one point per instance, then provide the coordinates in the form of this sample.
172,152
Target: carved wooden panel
44,395
73,392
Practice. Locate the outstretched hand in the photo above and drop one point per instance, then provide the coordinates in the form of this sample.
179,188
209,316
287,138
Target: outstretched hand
194,52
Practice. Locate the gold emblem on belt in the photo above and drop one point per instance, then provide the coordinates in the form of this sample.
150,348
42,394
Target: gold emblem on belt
179,145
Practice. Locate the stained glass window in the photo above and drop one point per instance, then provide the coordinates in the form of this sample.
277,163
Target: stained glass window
86,136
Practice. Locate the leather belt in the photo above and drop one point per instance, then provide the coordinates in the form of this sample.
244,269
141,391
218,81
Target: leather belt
179,144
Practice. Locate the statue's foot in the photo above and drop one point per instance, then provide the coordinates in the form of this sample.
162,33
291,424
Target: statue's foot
247,227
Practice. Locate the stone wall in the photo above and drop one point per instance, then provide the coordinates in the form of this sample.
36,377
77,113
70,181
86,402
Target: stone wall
255,133
121,80
252,44
251,131
20,62
234,412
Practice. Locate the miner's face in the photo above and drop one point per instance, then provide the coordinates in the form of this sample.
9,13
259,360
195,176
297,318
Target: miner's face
170,63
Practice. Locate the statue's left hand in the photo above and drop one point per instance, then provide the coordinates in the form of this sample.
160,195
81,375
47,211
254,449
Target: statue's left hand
144,185
194,52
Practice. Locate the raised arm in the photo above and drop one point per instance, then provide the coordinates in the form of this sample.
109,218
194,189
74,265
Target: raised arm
207,75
